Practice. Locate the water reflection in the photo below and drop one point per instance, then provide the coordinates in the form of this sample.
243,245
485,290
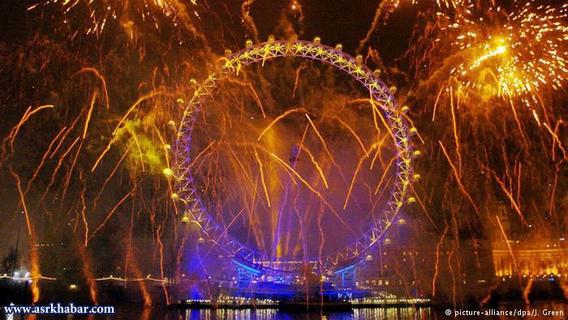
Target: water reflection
363,314
133,312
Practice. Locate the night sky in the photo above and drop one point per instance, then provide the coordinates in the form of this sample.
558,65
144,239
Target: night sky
486,100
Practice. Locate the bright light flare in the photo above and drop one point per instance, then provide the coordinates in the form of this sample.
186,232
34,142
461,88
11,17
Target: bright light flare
516,58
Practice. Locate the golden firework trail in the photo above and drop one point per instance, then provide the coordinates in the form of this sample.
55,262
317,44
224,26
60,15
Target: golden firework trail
515,56
486,69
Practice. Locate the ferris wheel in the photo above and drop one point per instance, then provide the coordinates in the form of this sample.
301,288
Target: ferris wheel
189,195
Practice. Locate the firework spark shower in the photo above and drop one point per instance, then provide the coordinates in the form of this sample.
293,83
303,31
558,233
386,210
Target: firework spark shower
289,154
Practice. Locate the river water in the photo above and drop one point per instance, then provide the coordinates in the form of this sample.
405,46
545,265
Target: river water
538,311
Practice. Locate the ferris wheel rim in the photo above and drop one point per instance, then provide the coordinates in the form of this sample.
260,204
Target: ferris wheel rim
263,52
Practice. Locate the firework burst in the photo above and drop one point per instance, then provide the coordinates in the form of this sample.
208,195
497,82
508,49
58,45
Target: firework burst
131,15
516,58
284,162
